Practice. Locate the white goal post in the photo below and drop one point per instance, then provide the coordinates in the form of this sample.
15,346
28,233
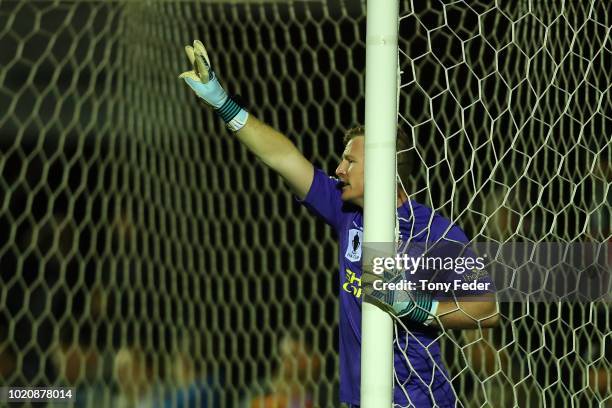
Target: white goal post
380,191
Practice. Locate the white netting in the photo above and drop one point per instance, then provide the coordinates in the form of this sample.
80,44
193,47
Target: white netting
509,110
128,212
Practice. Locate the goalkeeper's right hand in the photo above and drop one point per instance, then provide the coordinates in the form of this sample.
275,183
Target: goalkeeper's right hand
204,83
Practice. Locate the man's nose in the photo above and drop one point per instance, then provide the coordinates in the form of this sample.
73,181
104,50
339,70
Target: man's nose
340,170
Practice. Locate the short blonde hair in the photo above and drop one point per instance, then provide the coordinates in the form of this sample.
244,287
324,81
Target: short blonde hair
405,160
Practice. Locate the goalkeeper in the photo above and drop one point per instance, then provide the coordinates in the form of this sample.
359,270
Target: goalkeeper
420,379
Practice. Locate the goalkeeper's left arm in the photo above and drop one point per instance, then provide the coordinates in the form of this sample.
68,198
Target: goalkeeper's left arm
270,146
481,312
421,308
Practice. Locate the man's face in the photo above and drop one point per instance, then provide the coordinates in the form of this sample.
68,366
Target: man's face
350,171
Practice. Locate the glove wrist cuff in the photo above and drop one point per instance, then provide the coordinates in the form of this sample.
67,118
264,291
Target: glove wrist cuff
233,115
432,313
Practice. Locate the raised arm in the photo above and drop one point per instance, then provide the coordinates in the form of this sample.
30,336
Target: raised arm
279,153
272,147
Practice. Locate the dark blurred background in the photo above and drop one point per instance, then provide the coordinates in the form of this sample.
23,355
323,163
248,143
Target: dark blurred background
146,257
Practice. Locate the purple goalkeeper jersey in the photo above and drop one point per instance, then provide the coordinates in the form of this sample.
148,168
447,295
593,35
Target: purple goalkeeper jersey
420,377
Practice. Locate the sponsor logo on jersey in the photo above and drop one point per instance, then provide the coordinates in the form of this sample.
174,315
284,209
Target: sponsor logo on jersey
352,284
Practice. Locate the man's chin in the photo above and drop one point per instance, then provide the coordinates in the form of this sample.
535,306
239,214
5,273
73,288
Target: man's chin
348,198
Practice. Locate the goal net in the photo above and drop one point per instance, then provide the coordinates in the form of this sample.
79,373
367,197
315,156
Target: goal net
146,257
508,108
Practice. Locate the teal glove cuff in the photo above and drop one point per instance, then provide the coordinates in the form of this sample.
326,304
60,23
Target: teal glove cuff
233,115
238,121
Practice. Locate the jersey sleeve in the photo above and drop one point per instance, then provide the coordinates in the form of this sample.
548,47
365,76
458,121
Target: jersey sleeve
470,277
450,268
323,198
463,269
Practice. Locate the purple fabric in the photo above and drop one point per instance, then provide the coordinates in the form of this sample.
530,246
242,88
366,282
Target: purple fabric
423,377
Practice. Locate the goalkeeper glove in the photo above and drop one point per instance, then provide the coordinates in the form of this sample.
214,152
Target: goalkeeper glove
415,306
204,83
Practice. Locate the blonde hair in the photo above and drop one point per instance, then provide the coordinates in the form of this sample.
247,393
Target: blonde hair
405,162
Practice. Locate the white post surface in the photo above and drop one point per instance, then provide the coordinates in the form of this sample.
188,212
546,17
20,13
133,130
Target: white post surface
380,195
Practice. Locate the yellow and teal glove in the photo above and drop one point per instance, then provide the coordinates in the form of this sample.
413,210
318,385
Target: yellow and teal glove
204,82
415,306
